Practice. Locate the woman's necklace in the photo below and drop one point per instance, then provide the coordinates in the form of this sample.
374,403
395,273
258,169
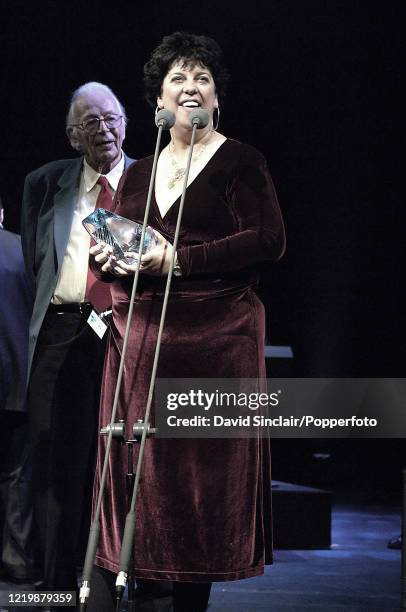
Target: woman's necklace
179,172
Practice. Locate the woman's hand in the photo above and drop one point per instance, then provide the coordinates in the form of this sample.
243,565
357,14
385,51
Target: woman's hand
103,255
156,262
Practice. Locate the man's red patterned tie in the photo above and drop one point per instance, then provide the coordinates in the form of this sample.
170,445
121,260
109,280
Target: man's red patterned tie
97,292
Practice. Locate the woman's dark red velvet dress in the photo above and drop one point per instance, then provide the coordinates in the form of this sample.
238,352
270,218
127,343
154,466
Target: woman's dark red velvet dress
203,509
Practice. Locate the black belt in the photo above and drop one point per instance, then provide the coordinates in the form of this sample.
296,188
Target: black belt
76,307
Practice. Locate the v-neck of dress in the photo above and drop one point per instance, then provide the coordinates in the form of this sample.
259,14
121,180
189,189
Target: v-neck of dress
198,175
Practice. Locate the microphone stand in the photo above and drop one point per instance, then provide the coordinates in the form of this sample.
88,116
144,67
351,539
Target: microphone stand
164,120
129,486
198,119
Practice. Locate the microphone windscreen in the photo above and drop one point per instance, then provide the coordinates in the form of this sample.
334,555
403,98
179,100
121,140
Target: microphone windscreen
165,118
199,117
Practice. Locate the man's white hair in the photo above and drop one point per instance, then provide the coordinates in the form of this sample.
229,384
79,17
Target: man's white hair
89,88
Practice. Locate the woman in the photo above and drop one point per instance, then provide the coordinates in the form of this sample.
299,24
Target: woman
203,506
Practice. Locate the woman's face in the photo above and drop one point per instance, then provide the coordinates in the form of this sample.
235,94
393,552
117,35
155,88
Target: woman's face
185,88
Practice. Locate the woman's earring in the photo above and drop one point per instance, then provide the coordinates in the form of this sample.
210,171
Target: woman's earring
214,128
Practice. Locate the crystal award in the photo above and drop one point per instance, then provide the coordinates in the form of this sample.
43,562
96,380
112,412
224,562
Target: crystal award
120,233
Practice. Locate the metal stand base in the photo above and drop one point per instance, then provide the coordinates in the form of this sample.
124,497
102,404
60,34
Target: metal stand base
119,434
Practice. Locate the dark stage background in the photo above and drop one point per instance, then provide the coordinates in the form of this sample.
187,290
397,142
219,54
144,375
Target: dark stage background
316,87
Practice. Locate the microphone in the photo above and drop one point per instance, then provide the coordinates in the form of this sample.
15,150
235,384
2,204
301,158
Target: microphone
199,118
165,119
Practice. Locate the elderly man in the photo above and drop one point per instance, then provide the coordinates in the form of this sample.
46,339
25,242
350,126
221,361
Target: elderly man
65,354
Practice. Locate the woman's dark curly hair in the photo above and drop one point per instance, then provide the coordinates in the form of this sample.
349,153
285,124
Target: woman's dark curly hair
191,49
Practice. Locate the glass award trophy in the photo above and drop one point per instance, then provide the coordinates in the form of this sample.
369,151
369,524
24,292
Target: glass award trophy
120,233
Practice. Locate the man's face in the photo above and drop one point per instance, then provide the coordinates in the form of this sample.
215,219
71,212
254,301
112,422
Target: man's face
102,149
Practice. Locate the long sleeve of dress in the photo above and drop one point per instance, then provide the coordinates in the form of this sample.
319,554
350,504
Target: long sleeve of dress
260,232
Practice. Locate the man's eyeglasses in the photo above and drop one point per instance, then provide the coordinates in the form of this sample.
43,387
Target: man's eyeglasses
91,126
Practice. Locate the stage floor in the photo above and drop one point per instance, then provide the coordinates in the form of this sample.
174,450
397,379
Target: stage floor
358,573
